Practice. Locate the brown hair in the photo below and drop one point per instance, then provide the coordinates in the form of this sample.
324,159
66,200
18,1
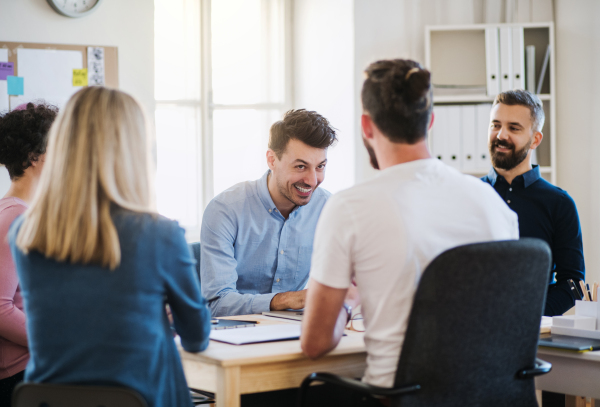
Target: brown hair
524,98
306,126
397,96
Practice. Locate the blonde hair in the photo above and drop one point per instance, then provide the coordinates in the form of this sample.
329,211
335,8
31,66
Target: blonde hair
98,155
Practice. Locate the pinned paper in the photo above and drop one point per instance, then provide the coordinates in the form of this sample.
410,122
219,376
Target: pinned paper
95,66
14,85
6,68
80,77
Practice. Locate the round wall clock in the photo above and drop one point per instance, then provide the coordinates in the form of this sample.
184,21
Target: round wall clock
74,8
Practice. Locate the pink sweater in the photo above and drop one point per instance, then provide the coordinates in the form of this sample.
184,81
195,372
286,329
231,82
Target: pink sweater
13,336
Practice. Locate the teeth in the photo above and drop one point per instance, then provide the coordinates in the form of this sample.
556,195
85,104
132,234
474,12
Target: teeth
303,190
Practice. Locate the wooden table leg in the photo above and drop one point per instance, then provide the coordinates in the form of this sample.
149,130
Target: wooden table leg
228,387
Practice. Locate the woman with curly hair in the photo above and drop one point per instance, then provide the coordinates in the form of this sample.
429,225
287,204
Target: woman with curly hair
23,137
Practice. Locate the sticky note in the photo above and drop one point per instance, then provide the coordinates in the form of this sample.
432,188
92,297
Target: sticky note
6,68
80,77
14,85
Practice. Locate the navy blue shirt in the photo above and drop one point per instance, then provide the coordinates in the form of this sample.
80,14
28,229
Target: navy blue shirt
548,213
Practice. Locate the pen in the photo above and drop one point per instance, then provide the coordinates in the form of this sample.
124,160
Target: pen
589,292
585,294
574,290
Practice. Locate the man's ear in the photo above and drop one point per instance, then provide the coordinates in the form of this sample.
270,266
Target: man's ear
537,140
367,126
271,157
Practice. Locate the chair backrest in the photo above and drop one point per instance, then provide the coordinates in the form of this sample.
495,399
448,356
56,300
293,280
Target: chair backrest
474,324
56,395
195,249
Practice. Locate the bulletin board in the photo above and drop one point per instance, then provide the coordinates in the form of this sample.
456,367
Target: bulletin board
109,75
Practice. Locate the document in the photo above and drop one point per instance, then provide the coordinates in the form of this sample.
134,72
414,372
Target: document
259,334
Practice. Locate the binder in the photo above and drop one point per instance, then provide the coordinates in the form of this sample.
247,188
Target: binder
482,117
452,134
492,63
469,134
437,140
506,59
530,73
518,58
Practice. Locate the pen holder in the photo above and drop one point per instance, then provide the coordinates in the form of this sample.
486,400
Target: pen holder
588,309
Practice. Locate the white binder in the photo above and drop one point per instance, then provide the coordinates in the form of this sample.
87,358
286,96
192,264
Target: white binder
469,137
482,117
492,63
506,59
437,141
452,135
518,58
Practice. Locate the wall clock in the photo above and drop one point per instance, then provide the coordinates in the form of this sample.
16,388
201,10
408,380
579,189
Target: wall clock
74,8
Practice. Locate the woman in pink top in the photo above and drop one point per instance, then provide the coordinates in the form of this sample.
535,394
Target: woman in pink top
23,137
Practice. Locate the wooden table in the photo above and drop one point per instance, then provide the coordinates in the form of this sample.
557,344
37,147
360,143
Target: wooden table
572,374
230,371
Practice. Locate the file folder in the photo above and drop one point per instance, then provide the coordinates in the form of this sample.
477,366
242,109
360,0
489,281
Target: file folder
452,135
518,58
483,125
506,60
438,144
469,137
492,63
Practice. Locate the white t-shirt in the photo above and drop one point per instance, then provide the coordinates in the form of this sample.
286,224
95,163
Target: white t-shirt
385,232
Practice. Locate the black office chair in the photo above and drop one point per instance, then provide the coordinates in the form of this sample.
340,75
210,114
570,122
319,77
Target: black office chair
473,330
57,395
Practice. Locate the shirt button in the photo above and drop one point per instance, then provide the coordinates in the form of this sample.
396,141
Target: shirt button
510,189
269,210
508,201
277,280
281,252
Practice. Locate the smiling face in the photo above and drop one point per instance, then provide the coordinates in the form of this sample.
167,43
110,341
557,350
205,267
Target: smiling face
511,136
297,174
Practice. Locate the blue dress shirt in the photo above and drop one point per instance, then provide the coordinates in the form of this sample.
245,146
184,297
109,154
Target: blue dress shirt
250,252
548,213
89,325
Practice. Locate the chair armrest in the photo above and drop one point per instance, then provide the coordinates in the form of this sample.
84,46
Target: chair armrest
541,367
352,384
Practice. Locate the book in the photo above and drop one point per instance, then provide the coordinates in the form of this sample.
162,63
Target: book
574,343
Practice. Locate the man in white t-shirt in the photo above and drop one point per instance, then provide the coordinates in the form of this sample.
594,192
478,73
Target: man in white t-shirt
374,240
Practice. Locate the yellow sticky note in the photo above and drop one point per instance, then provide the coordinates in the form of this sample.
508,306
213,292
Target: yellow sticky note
80,77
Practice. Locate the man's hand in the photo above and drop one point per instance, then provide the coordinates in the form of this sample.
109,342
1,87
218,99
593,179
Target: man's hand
288,300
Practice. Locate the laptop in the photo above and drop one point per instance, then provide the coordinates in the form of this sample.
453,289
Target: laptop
288,314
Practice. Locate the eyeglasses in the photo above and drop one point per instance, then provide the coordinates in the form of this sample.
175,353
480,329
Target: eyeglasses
355,325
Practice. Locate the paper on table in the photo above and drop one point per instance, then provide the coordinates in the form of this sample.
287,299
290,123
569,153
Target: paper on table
268,333
48,73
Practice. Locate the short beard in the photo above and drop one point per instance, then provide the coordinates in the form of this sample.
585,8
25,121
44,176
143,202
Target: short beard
283,191
372,156
508,161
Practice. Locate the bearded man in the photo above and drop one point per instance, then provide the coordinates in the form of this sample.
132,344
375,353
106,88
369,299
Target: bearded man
257,236
545,211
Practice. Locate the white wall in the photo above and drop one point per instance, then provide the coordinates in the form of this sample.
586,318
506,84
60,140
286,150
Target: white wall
323,77
578,105
126,24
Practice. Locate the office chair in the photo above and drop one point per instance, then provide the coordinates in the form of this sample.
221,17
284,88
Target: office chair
58,395
473,330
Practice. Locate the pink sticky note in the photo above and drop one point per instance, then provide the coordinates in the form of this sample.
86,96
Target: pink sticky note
6,69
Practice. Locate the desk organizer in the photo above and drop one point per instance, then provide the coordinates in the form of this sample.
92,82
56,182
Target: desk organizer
585,323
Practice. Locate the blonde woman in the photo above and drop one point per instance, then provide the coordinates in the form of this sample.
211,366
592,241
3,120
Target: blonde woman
97,265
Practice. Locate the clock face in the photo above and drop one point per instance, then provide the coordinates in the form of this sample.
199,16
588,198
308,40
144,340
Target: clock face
74,8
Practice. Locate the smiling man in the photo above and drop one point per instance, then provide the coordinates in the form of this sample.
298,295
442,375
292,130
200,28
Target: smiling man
257,236
545,211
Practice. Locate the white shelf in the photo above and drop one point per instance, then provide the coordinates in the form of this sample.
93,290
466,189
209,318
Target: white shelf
474,98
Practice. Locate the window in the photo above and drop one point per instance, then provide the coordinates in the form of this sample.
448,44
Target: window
222,77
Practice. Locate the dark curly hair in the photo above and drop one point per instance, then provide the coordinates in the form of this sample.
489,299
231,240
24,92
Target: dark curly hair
397,96
304,125
24,135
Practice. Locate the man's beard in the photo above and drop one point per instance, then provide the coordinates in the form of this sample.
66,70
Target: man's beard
507,161
289,195
371,152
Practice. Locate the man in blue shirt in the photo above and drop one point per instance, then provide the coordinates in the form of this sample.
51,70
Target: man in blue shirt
257,236
545,211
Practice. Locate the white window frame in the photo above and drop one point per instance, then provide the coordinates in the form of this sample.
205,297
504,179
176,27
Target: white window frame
205,106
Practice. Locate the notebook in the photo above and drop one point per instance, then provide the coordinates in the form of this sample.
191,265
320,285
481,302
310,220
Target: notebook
257,334
289,314
232,323
575,343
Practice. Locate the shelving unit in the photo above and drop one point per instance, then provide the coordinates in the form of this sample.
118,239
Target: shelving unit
456,56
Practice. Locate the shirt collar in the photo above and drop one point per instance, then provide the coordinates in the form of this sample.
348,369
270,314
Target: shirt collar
528,178
263,192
